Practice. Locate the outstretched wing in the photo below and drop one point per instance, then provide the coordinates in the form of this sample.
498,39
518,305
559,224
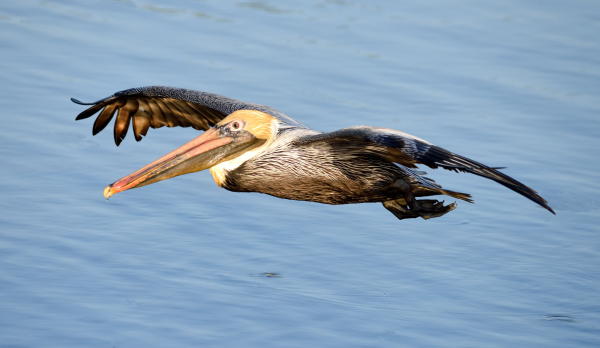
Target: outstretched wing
158,106
408,150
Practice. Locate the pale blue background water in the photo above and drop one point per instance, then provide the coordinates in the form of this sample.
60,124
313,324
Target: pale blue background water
181,263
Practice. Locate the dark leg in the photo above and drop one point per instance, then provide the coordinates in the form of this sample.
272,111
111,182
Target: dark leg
424,208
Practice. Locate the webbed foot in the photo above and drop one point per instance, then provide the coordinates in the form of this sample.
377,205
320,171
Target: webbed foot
424,208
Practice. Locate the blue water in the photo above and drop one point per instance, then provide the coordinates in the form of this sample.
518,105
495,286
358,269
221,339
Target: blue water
185,264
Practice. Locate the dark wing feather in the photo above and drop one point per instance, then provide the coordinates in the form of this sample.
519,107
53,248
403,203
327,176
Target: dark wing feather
436,156
407,150
105,116
157,106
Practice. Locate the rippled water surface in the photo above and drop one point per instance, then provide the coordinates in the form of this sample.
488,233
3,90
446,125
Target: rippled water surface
185,264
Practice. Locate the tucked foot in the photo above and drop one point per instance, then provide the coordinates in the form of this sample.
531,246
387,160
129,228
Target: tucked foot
425,208
431,208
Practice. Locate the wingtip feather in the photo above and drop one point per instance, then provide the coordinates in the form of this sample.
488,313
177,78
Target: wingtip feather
547,207
77,101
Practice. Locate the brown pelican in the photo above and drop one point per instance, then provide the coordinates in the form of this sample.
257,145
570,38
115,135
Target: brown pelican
255,148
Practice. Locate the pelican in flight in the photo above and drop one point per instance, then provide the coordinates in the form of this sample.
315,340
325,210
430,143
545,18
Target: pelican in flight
255,148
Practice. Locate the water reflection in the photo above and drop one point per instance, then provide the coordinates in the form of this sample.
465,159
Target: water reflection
263,6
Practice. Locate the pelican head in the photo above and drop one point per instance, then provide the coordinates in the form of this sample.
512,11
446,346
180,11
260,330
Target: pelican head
237,134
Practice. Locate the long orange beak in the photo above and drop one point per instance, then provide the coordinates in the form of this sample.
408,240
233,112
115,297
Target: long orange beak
200,153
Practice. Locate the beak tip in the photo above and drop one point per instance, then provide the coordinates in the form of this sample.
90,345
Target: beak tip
108,191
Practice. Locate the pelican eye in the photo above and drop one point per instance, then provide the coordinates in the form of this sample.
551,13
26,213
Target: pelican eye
235,125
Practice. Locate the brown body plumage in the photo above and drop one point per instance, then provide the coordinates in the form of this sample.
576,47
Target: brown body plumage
254,148
307,168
